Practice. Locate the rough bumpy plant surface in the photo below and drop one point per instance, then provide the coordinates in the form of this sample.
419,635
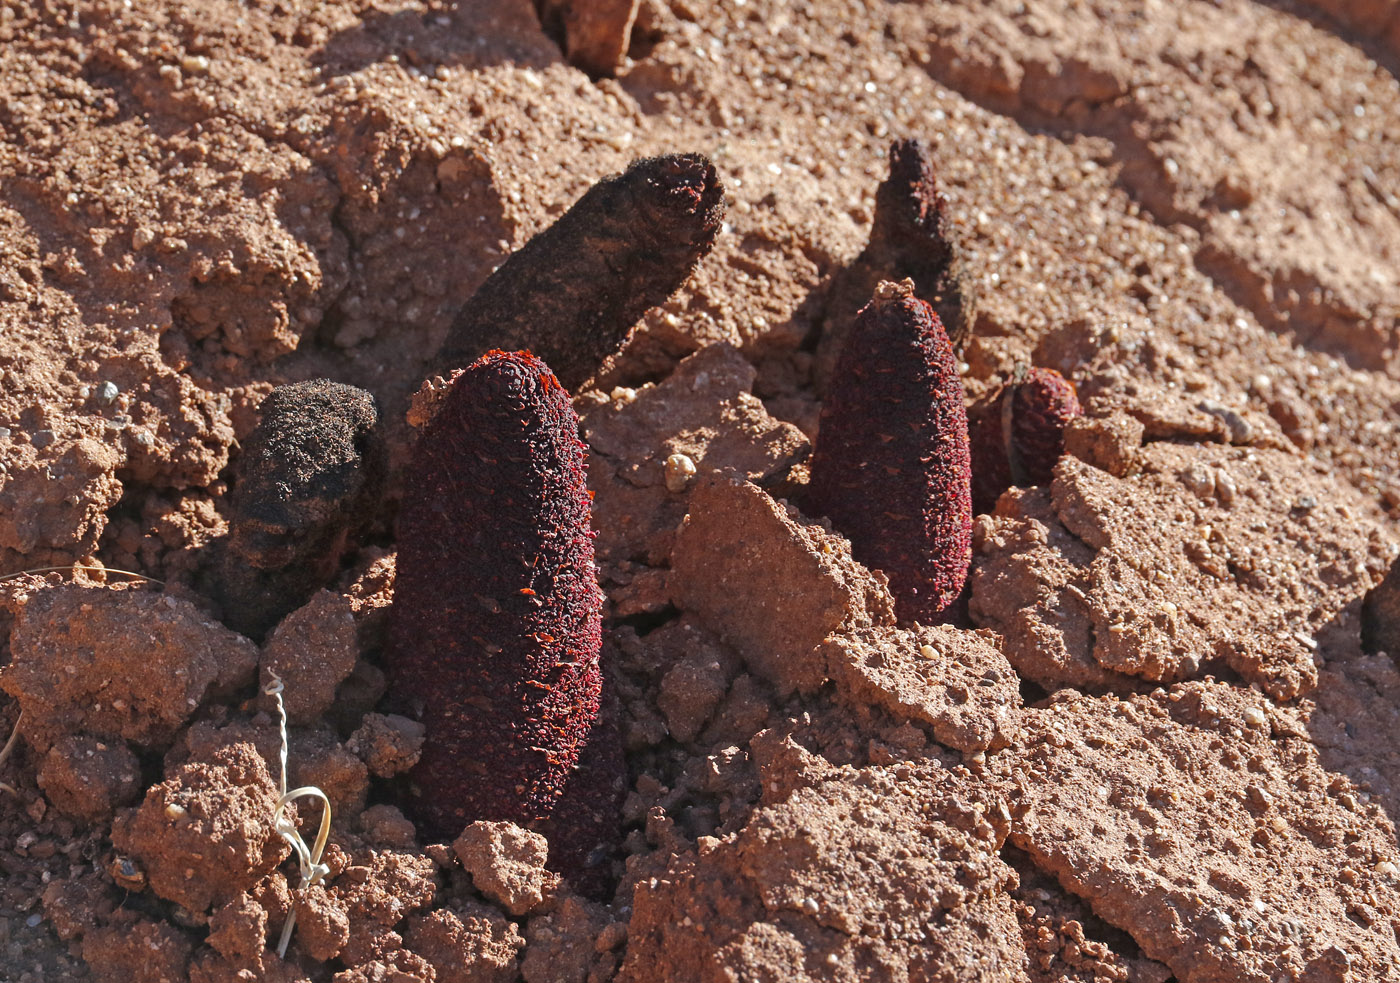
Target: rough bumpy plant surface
310,475
585,831
891,464
574,292
1019,434
910,237
495,627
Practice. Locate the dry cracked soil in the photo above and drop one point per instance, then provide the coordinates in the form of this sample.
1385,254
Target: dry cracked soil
1154,749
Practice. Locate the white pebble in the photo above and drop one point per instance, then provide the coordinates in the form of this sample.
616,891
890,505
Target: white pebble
680,469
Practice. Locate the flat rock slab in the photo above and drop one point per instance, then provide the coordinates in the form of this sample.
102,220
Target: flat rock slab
769,584
1198,822
956,682
1210,554
704,410
881,874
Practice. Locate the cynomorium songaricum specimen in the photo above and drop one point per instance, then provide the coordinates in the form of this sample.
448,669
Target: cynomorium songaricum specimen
910,238
1019,433
891,466
309,477
495,628
573,293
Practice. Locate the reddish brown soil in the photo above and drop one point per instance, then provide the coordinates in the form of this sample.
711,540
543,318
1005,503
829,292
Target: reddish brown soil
1157,751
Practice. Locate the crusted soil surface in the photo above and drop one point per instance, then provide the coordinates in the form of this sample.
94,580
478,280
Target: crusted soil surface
1148,746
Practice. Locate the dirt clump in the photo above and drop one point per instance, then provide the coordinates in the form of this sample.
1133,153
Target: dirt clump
1110,443
206,833
132,949
956,682
125,664
573,944
89,779
387,826
507,864
1066,942
706,411
739,552
469,943
55,476
238,929
312,651
594,36
388,744
804,890
1102,790
1139,564
697,671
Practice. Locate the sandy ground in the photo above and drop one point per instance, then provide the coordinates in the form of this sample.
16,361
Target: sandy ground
1155,750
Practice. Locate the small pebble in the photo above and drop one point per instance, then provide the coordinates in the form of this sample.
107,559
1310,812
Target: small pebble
1241,430
680,469
1225,488
107,393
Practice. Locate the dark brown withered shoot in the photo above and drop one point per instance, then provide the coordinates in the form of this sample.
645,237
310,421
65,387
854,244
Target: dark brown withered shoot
910,238
573,293
309,477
